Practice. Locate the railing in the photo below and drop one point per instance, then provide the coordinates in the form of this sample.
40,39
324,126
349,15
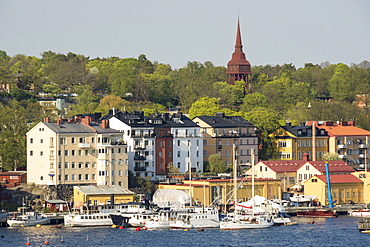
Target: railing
139,147
139,157
342,146
342,156
363,146
84,145
141,168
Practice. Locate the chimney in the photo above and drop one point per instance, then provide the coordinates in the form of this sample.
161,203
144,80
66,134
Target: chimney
86,120
59,121
105,124
288,124
220,114
306,157
47,119
344,123
327,123
351,123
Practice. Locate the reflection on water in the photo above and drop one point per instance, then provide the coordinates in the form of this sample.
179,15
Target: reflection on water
341,231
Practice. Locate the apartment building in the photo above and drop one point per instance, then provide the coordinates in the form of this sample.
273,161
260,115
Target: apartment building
228,136
349,141
294,141
76,152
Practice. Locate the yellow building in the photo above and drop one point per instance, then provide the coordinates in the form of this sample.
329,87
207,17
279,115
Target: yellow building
344,188
293,141
101,195
220,191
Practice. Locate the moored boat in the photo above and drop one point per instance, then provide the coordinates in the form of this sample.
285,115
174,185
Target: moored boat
327,213
364,224
87,219
359,213
197,217
246,222
28,219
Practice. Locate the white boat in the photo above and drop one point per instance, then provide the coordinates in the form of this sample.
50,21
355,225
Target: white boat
197,217
162,220
302,198
28,219
87,219
138,219
359,213
239,222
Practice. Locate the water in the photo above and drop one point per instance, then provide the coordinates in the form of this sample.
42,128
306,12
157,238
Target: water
328,232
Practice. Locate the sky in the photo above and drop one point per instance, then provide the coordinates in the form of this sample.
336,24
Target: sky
175,32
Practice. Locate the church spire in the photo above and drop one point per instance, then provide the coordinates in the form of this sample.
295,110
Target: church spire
239,68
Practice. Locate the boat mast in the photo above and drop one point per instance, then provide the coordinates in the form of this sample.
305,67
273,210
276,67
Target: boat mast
235,176
252,161
190,192
330,200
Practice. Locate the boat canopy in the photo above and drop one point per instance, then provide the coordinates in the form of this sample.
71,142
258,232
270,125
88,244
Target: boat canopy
256,202
170,198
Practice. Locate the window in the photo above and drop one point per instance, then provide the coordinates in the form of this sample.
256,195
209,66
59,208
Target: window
79,152
80,164
73,140
314,180
87,164
307,167
178,165
31,140
79,176
112,173
178,154
59,177
86,176
93,176
86,152
73,165
204,152
120,173
93,165
41,153
41,178
63,141
41,141
73,177
204,142
93,152
65,165
170,154
82,140
160,154
59,152
73,152
59,165
65,152
31,153
178,143
282,144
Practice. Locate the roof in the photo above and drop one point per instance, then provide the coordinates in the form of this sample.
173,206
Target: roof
302,131
284,165
338,179
78,127
343,130
12,173
279,166
334,166
222,121
103,190
56,201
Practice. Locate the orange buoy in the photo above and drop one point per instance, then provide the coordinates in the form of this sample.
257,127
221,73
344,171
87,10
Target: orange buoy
145,228
121,227
137,229
28,242
46,242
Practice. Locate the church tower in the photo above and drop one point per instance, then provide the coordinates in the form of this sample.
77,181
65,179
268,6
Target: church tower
239,68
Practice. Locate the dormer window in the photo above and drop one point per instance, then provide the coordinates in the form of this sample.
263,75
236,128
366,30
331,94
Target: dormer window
299,132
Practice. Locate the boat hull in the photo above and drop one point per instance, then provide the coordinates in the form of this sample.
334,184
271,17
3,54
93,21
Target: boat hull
317,214
241,225
14,223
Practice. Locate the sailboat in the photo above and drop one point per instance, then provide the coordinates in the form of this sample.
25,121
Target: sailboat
238,220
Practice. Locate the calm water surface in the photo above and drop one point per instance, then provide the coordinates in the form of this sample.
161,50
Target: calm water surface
341,231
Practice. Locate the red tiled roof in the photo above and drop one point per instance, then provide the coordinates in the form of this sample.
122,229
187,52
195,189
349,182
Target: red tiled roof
336,179
334,166
339,130
284,165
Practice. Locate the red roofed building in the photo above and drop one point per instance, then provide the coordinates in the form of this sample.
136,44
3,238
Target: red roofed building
349,141
292,172
344,188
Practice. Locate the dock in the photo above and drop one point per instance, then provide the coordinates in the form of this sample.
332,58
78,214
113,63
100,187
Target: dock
340,209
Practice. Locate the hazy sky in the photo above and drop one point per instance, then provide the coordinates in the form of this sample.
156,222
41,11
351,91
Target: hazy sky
177,31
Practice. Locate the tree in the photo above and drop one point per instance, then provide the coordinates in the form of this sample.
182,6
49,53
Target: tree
86,101
111,101
204,107
330,156
13,136
216,165
253,101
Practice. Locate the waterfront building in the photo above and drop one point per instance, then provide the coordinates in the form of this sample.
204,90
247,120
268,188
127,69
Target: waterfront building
219,191
74,152
101,195
345,188
296,172
226,136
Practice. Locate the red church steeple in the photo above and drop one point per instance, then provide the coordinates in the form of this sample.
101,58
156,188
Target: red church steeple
239,68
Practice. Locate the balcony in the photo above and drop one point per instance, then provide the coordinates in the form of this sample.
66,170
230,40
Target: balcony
139,168
139,157
51,157
139,147
343,156
219,146
341,146
363,146
361,155
84,145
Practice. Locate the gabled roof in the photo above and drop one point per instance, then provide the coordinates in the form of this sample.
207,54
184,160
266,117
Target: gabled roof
334,166
222,121
302,131
344,128
78,127
103,190
338,179
279,166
